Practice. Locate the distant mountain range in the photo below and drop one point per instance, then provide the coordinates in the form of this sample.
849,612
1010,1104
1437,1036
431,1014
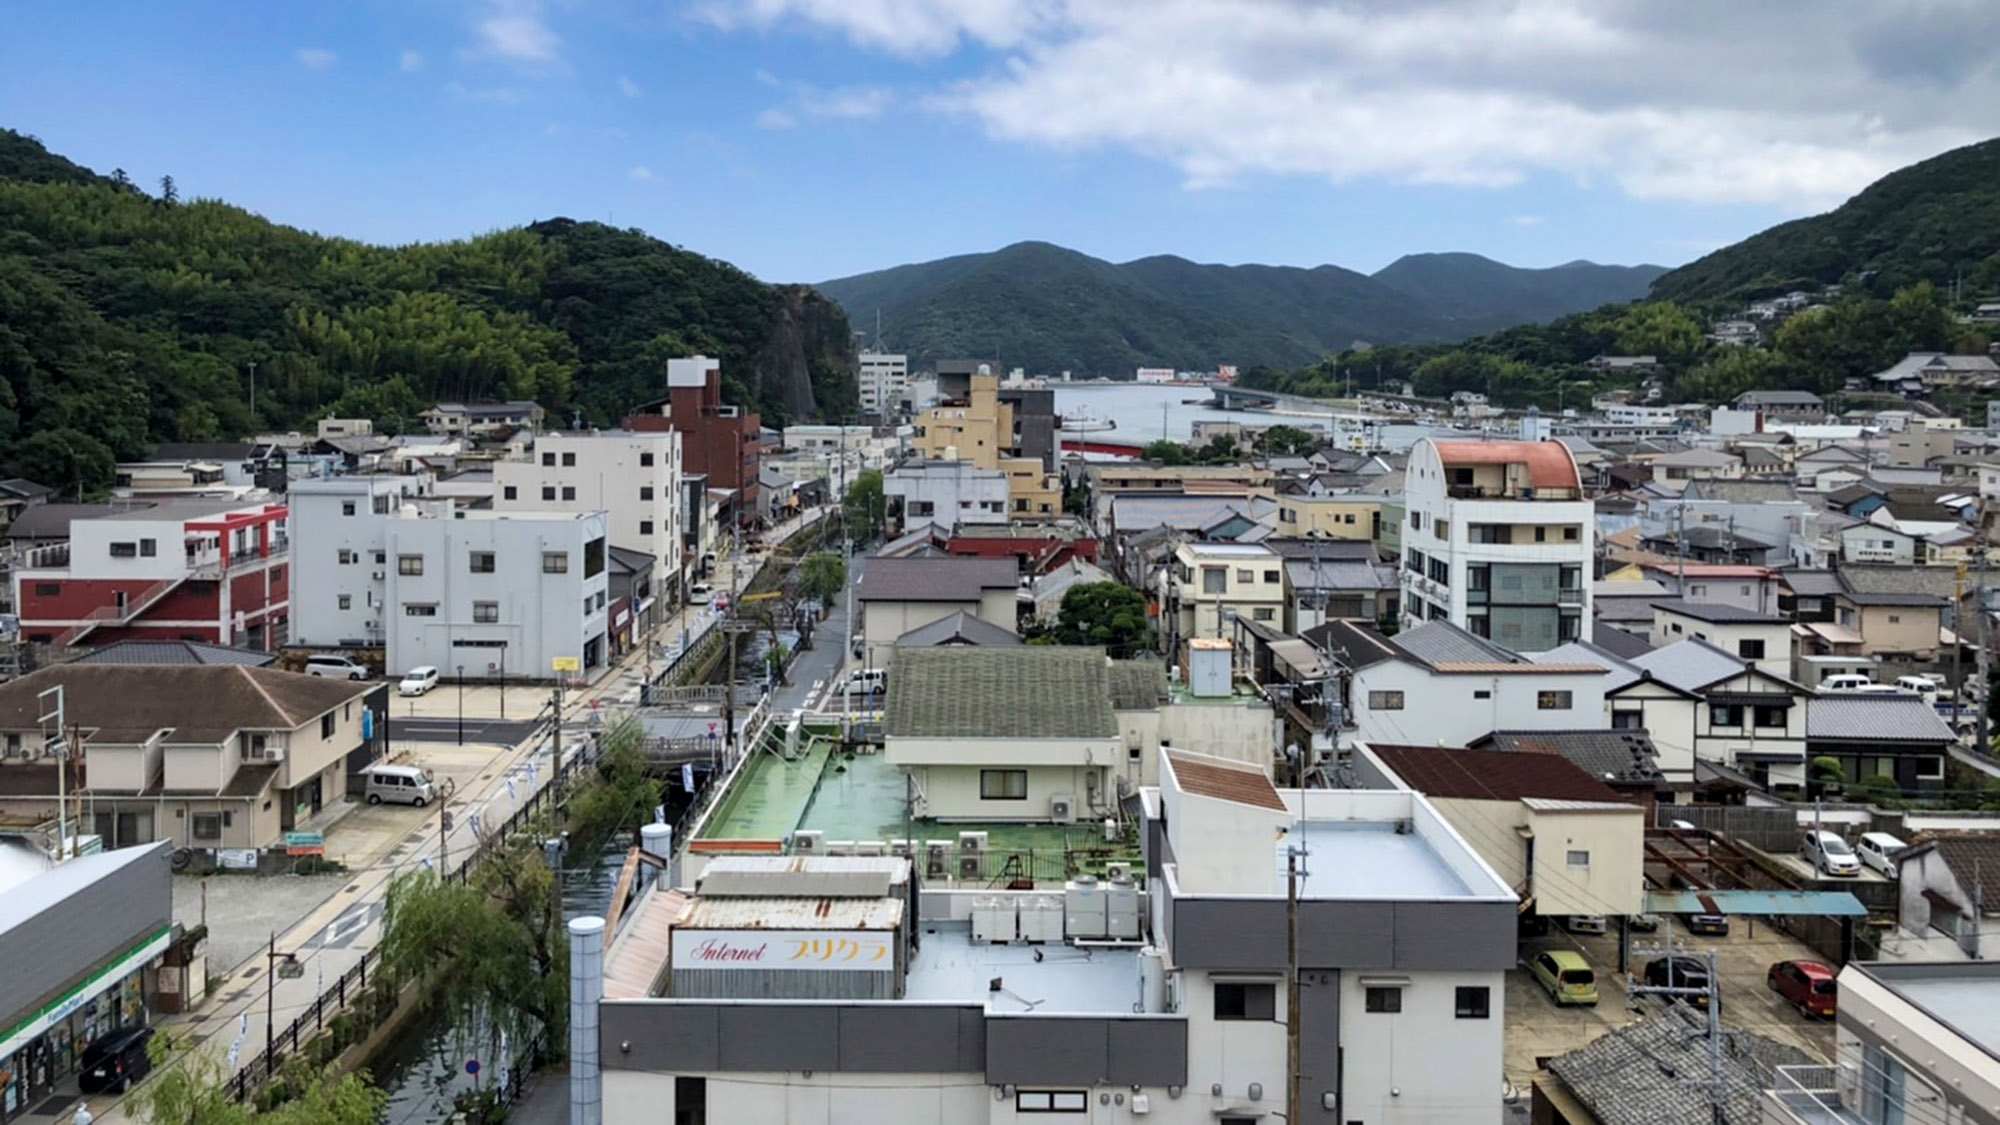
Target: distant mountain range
1049,309
1937,220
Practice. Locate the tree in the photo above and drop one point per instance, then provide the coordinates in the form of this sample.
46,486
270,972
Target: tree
1169,453
193,1090
68,460
169,195
1288,441
822,575
1659,328
865,507
1104,613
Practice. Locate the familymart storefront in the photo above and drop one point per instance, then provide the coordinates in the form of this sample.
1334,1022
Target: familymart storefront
76,940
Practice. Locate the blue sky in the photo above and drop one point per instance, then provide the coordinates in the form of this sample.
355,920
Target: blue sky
808,139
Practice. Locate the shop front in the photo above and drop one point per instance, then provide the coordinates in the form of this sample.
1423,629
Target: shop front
39,1053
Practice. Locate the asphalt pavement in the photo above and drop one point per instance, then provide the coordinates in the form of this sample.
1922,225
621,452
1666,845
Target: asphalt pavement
498,732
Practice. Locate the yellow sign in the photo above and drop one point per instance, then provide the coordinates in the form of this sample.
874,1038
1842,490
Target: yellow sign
566,664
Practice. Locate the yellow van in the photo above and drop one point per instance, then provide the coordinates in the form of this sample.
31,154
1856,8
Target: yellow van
1566,975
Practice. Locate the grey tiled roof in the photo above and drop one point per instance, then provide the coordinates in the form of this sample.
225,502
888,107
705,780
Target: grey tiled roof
175,652
1612,755
1689,665
960,628
1813,583
1034,691
1913,600
1716,613
1441,642
1877,579
935,580
1619,643
1846,717
1640,1074
1137,685
1303,574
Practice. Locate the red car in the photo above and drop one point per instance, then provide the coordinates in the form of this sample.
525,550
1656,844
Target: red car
1807,985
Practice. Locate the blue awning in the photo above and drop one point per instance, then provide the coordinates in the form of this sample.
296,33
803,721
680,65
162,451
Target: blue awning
1833,903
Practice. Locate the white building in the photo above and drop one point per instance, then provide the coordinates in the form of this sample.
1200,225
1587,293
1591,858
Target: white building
1499,541
1211,584
1155,375
885,383
633,477
939,1012
496,594
945,494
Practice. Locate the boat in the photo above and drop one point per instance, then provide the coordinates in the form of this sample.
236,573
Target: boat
1085,424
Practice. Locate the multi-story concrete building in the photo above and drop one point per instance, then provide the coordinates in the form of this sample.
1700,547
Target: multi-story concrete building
485,595
1210,583
633,477
974,421
1499,541
718,441
198,570
948,494
833,987
885,384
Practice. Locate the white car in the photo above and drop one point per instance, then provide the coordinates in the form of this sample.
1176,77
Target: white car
701,593
417,681
1828,853
338,667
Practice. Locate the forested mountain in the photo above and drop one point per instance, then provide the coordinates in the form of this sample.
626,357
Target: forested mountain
128,318
1935,221
1050,309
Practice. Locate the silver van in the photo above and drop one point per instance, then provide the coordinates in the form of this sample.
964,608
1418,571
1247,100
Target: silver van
400,785
338,667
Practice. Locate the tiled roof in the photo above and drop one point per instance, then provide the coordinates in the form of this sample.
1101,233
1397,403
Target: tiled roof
1619,643
960,628
1718,614
1224,781
935,580
1813,583
1033,691
1549,463
1689,665
1970,855
1913,600
175,652
1639,1074
1486,775
1854,717
1441,642
199,703
1137,685
1611,755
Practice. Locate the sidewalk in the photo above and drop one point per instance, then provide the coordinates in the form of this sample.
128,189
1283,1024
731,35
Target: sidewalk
332,938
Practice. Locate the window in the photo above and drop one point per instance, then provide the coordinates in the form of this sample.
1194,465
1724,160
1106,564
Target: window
347,601
347,507
486,613
380,558
1051,1101
149,548
548,492
555,562
482,562
1414,561
347,558
569,460
569,492
1385,701
208,826
1750,650
646,493
327,723
409,564
1263,614
1244,574
1003,785
1895,619
1553,700
549,459
1482,694
1214,580
1271,576
645,527
1930,769
510,493
1541,535
1572,534
1386,1000
1245,1000
48,589
1725,715
1440,571
124,550
1576,857
1769,717
420,609
1473,1002
1441,529
645,459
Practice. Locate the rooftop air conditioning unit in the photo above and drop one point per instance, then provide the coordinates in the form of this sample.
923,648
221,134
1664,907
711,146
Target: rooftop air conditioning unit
971,865
972,841
937,859
1116,871
1062,809
808,842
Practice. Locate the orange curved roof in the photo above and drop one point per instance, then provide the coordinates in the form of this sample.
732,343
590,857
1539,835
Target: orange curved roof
1549,463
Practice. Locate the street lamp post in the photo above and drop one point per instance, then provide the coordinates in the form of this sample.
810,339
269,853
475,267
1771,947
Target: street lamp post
461,705
275,965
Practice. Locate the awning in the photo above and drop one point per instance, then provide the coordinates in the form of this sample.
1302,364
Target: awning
1835,903
1300,656
1834,634
1793,756
1750,698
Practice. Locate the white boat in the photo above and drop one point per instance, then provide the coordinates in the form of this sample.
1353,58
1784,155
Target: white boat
1085,424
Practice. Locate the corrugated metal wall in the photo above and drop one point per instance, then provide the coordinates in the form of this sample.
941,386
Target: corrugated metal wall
784,984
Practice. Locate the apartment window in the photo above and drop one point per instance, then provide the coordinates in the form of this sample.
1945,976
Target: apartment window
549,459
409,564
149,548
569,492
1386,1000
1769,716
1572,534
486,613
207,826
1003,785
380,558
482,562
1440,571
510,493
1473,1002
420,609
347,507
347,557
1725,715
347,601
1245,1000
569,460
645,459
1750,650
124,550
1262,614
1576,857
1271,576
1416,521
1051,1101
1414,562
645,527
1541,535
1553,700
548,492
646,493
1482,694
327,723
1214,580
1244,574
1441,529
555,562
48,589
1385,701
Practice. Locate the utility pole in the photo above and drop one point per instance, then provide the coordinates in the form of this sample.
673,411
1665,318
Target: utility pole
1957,648
556,709
1711,995
1293,874
53,714
253,389
444,844
1985,658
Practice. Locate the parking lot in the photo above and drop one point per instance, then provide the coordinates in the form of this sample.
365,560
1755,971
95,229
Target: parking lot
1537,1029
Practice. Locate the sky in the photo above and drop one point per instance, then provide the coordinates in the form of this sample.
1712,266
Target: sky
810,139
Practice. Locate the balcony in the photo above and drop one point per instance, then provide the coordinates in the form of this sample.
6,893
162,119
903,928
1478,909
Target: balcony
1810,1095
1481,492
1569,598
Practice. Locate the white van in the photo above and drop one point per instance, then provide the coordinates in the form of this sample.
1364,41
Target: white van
1879,851
1848,681
400,785
867,682
338,667
1925,686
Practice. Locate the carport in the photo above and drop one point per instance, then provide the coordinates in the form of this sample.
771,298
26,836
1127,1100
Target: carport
1695,871
1826,904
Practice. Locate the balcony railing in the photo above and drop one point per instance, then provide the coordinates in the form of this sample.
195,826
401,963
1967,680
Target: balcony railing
1479,492
1810,1094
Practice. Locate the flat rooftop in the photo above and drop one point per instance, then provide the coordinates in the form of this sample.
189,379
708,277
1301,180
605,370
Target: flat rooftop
1373,861
1965,995
949,967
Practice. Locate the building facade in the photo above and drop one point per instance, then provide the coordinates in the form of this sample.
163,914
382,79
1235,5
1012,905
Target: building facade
633,477
718,441
885,384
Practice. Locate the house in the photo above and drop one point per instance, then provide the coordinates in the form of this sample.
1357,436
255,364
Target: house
1500,541
1010,431
1696,464
960,628
1895,736
1760,638
1333,585
1624,363
947,495
1784,406
1211,583
1721,546
1919,373
1806,595
1437,685
1751,588
1566,842
1638,1075
476,419
203,756
1036,548
1624,760
1050,588
18,495
1302,513
176,652
1894,626
1943,900
897,595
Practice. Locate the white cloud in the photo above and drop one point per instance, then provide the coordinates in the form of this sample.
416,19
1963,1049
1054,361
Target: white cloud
628,87
849,103
642,174
513,30
315,58
1789,102
411,61
775,118
493,95
1526,220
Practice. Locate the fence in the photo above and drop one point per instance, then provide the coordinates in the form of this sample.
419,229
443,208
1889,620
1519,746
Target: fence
1773,830
286,1042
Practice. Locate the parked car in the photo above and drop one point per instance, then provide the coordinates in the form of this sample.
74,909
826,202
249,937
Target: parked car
417,681
1931,688
1679,970
1827,852
865,682
700,593
1566,975
338,667
115,1060
1717,924
1879,851
1806,985
399,785
1584,923
1644,923
1847,681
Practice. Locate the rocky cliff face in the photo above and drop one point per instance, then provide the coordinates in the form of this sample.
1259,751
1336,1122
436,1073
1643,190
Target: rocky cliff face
806,366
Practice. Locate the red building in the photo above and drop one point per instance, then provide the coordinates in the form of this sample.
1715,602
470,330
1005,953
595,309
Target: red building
196,570
717,440
1036,548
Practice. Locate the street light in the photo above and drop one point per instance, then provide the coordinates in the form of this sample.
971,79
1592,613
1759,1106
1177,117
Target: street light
461,705
288,966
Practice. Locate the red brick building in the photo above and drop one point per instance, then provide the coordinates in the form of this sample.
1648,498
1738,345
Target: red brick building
717,440
197,570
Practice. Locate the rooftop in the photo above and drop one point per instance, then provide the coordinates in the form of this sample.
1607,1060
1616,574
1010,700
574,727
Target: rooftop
935,580
1549,463
175,652
199,704
1034,691
960,628
1224,781
1856,717
1611,755
948,967
1964,995
1371,860
1490,775
1718,614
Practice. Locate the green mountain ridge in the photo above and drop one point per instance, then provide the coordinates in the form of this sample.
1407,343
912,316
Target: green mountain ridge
1937,220
126,320
1049,308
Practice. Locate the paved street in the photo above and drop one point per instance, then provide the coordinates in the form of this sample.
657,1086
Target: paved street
505,732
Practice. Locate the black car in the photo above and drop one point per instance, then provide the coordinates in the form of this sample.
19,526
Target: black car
1680,970
1716,924
115,1060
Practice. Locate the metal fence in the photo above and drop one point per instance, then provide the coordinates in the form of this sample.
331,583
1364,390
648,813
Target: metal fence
1773,830
311,1021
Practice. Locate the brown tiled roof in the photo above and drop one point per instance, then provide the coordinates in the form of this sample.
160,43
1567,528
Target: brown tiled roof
1225,781
198,703
1491,775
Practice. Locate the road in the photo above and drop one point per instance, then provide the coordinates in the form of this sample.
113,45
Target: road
498,732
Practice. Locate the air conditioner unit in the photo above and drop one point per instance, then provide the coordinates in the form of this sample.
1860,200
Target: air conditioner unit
972,865
1062,808
807,842
1117,871
905,849
371,625
937,859
273,753
972,841
377,576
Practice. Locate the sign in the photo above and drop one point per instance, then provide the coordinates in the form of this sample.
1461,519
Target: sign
305,843
801,950
236,859
565,664
472,1066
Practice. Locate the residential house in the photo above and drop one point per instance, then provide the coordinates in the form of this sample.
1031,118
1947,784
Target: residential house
1760,638
1304,512
897,595
947,495
1696,464
1637,1075
1919,373
1945,911
1210,583
1626,761
17,495
1894,627
476,419
1784,406
1753,588
1721,546
1050,588
1899,737
1335,585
